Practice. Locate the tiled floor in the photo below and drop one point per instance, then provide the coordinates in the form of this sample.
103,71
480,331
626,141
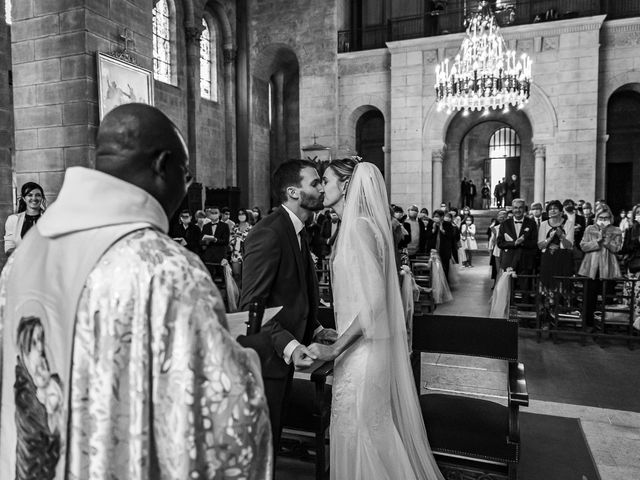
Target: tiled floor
600,386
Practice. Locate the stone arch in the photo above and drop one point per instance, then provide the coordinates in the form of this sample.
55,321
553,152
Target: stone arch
274,57
349,116
216,10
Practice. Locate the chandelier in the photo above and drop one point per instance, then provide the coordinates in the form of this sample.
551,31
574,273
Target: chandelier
484,73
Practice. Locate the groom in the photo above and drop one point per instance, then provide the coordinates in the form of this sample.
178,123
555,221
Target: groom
278,271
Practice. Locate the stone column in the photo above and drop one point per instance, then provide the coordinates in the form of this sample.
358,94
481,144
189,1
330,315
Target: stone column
540,152
229,53
6,126
436,161
601,166
193,35
387,168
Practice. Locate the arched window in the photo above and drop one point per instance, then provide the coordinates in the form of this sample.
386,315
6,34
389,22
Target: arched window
208,62
7,12
162,42
504,143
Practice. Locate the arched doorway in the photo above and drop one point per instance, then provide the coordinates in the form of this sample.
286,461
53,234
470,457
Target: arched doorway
482,145
370,137
623,148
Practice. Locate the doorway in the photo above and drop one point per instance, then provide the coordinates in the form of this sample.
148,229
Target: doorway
370,138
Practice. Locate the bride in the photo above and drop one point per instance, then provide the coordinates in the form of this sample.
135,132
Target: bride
377,430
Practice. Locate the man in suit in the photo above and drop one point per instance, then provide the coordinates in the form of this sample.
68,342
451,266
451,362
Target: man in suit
472,194
329,232
415,227
441,237
278,271
518,241
215,237
186,233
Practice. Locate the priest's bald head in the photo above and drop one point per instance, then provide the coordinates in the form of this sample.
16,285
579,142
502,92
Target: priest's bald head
138,143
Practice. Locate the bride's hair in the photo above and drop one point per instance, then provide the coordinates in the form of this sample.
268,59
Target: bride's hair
343,168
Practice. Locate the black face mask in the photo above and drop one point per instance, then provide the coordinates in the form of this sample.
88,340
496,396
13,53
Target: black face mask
569,209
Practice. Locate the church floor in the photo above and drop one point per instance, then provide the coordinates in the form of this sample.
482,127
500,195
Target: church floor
600,386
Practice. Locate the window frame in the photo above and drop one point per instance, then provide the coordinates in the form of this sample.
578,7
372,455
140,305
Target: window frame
172,45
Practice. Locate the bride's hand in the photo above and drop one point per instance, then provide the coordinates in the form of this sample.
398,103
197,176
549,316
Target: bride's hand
323,352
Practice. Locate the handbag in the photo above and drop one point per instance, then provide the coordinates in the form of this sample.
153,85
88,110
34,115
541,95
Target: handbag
634,264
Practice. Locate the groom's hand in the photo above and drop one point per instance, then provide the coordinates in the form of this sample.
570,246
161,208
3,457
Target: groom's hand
326,336
302,357
323,352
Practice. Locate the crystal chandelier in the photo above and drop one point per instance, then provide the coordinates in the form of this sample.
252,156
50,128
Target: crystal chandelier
484,74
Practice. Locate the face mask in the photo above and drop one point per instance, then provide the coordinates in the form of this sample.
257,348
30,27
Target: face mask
468,222
398,216
413,214
214,217
587,212
242,218
604,223
569,209
638,218
422,216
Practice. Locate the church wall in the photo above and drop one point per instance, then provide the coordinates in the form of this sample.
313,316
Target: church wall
6,126
309,29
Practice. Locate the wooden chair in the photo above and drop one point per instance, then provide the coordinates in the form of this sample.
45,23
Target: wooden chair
309,409
471,437
525,304
421,269
569,313
615,317
324,282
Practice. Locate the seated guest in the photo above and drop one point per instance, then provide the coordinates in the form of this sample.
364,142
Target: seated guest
186,233
215,237
518,240
601,243
30,207
555,240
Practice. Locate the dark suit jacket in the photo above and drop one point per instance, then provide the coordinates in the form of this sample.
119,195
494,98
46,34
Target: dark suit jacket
421,237
578,232
447,240
521,257
214,252
191,234
325,236
274,273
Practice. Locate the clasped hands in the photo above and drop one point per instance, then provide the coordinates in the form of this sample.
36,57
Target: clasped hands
321,349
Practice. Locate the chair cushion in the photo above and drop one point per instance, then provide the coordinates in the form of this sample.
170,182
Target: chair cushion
302,412
469,427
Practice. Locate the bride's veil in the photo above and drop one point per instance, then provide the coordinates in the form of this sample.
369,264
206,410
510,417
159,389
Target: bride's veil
366,227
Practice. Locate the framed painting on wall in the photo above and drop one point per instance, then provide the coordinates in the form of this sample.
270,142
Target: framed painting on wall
121,82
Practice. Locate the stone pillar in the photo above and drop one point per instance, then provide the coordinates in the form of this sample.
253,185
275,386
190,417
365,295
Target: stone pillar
540,152
387,168
229,53
6,127
601,166
193,34
436,161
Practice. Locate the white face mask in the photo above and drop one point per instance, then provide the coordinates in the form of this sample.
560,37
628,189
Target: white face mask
242,218
638,218
604,223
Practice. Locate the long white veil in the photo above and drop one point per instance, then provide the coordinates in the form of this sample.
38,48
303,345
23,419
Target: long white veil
366,236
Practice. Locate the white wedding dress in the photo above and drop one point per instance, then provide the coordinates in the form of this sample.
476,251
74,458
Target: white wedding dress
377,431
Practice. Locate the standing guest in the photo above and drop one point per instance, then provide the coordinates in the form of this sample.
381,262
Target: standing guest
587,213
415,227
278,271
201,220
579,226
497,193
30,207
621,221
452,218
494,250
236,242
257,215
626,222
444,207
424,215
123,366
631,250
329,232
485,193
536,214
226,217
441,238
466,212
468,239
473,191
518,240
600,244
464,192
555,240
509,214
215,241
512,189
399,216
186,233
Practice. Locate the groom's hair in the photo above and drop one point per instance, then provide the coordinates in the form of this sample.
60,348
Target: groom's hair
287,175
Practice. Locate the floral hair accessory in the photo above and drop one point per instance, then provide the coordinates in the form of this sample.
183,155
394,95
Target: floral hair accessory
356,158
